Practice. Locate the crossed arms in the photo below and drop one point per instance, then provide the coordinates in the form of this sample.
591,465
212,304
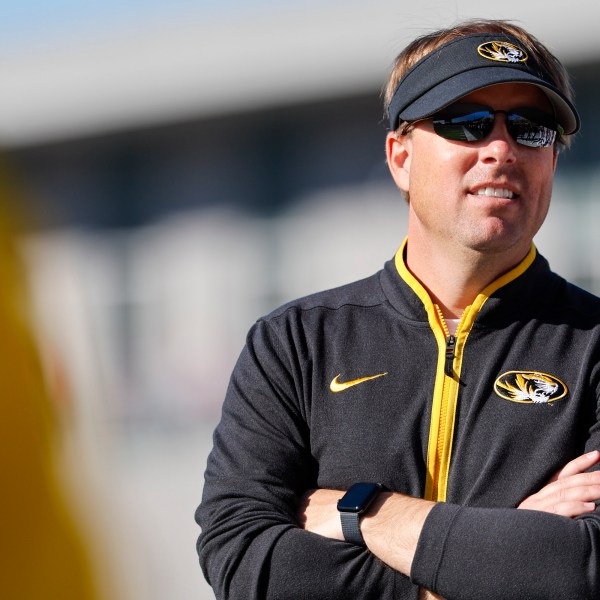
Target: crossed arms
393,526
254,545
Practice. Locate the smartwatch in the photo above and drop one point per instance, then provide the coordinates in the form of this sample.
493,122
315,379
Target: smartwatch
353,504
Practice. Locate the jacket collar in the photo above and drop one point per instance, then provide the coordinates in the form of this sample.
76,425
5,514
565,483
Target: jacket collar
408,296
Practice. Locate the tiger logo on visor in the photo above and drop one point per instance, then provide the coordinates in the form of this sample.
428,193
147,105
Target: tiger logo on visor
530,387
502,52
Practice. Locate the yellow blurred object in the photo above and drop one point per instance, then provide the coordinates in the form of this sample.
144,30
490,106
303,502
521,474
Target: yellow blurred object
42,553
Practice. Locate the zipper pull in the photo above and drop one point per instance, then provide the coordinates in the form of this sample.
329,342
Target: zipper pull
450,345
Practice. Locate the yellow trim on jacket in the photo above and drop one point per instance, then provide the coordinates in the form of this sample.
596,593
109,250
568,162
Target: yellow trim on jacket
446,388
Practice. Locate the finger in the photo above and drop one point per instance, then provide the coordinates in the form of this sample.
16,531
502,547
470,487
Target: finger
565,508
581,493
561,486
583,487
578,465
572,509
562,497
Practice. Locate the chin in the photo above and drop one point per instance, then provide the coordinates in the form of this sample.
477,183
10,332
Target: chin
500,233
516,248
500,241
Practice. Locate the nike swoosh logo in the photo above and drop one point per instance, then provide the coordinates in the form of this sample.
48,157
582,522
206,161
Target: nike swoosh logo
339,386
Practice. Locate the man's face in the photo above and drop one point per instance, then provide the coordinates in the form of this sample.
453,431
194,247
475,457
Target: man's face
491,195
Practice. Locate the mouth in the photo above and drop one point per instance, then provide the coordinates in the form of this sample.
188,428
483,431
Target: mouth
495,192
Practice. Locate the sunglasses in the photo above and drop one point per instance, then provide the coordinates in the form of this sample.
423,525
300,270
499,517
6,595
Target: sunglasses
473,122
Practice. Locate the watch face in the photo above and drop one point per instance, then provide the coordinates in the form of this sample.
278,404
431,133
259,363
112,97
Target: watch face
358,497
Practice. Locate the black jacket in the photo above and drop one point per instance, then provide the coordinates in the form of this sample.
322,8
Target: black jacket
476,421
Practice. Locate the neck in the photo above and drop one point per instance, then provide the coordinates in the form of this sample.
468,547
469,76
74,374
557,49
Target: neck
454,278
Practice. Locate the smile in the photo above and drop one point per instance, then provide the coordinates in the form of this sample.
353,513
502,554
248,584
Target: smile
491,192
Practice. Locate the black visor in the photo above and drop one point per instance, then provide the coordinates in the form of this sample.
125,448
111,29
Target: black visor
470,63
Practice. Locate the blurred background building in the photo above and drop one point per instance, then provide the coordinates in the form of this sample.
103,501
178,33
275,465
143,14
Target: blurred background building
186,167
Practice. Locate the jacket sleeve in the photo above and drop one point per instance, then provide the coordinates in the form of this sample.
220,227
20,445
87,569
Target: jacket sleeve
251,546
468,553
472,553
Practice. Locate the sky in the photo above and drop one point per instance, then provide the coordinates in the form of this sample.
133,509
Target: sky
100,63
36,22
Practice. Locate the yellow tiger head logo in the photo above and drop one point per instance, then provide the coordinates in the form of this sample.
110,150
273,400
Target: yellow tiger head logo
502,52
530,387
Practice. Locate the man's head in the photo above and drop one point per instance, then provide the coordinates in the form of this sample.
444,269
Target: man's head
475,118
437,69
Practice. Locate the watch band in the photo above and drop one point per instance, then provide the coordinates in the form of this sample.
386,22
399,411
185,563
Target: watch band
351,528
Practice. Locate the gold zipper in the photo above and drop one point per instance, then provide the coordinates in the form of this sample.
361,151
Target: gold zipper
449,365
440,445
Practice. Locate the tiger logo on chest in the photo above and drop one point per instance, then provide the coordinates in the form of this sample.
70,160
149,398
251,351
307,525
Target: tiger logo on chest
530,387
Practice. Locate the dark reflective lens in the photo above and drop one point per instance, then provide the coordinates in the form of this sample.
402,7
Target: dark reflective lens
473,122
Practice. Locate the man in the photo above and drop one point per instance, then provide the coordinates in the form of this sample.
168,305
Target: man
441,398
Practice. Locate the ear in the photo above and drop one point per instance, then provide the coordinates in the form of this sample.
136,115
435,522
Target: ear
398,149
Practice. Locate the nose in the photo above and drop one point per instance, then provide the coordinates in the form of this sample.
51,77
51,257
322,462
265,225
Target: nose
498,146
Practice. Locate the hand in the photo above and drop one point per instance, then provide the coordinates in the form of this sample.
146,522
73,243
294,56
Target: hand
427,595
571,491
318,513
